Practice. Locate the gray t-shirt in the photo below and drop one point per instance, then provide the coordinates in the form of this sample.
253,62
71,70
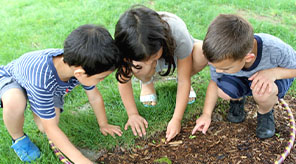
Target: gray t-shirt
184,41
271,52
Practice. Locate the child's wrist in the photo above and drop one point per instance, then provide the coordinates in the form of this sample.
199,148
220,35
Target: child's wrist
177,118
132,114
101,124
208,114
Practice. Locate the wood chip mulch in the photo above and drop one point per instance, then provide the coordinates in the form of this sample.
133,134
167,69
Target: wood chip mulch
224,143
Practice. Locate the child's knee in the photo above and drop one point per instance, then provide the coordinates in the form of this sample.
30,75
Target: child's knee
14,101
267,96
223,95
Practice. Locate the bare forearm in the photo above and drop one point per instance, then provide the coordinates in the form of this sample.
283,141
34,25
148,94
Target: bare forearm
97,103
284,73
184,83
63,143
100,112
127,96
211,98
181,99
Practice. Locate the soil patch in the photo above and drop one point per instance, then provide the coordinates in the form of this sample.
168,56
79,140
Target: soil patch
224,142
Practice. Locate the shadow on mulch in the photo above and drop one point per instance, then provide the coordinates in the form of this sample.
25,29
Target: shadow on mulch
224,142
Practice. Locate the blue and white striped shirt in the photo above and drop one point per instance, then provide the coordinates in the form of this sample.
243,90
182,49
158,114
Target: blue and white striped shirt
36,73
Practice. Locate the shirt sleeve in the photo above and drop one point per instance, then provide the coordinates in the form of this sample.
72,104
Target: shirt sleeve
286,57
214,75
184,41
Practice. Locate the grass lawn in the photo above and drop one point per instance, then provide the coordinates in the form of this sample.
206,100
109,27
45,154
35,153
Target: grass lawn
28,25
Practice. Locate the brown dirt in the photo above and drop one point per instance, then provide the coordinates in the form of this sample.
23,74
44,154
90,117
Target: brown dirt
224,142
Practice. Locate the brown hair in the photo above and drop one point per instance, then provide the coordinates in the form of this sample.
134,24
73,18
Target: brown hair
229,37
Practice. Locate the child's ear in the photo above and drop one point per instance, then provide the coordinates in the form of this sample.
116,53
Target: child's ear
250,57
78,71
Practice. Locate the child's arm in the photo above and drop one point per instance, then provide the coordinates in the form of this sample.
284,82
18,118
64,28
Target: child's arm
199,61
137,123
204,121
262,80
58,137
184,83
97,103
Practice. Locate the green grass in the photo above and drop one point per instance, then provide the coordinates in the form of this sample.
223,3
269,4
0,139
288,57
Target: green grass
28,25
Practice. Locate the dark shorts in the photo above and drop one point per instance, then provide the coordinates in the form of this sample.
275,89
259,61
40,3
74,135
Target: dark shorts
9,83
6,84
237,87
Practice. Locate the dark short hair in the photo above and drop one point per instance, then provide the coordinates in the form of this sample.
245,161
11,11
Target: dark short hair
93,48
141,32
229,37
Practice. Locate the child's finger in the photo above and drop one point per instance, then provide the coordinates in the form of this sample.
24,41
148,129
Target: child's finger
118,128
259,86
134,131
139,131
194,129
197,127
253,76
254,84
104,133
143,129
170,136
112,134
126,126
119,133
167,133
269,88
205,128
263,88
146,123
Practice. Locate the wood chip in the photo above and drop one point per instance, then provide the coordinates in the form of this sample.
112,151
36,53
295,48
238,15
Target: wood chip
175,143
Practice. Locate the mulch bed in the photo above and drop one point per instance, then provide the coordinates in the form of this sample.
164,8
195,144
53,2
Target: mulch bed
224,142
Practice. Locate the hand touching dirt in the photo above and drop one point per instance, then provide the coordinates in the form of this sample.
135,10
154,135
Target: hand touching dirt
138,125
110,129
173,129
262,81
202,124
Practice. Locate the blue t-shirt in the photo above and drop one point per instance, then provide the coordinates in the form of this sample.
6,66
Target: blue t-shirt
271,53
36,73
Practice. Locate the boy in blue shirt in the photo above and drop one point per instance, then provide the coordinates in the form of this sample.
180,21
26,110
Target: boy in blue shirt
244,64
44,77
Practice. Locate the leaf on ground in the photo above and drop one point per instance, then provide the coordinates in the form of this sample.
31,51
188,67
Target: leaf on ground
163,159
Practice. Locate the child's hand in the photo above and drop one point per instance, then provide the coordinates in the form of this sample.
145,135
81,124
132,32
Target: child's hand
138,125
262,81
202,124
110,129
173,129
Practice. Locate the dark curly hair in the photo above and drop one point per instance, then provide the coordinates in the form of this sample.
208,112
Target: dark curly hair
141,32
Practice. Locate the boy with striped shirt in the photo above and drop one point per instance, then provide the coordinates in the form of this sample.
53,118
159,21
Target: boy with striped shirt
44,77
